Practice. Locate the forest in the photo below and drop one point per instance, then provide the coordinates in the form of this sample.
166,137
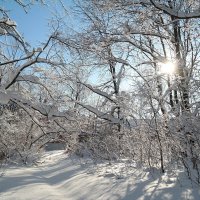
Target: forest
122,82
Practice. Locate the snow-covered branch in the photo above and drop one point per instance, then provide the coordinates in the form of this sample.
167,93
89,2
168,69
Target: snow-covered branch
100,114
18,71
175,12
99,92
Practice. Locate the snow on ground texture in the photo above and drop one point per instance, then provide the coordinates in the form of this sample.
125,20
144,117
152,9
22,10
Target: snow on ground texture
59,177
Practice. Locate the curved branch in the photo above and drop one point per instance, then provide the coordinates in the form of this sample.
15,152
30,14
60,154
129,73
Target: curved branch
27,64
176,13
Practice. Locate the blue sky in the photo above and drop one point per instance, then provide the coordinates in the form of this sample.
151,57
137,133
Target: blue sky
33,25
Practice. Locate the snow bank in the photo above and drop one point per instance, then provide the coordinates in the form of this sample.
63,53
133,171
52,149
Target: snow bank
60,177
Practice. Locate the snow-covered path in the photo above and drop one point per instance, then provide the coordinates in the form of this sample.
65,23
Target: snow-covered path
68,179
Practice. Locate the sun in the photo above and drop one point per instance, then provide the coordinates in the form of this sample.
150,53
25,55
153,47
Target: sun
167,68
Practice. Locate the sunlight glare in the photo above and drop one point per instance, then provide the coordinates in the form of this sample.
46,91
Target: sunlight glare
167,68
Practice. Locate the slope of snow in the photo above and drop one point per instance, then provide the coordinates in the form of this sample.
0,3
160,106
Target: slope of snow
60,177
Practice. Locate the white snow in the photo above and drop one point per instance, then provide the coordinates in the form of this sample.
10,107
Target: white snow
4,98
61,177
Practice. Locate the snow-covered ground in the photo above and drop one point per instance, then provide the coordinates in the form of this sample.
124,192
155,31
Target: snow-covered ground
60,177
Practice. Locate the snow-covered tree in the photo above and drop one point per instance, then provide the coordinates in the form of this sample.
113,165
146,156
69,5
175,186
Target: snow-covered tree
156,49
